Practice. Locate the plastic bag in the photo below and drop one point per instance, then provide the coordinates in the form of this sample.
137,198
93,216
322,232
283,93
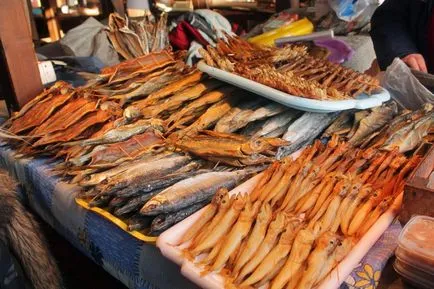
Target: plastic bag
350,10
404,86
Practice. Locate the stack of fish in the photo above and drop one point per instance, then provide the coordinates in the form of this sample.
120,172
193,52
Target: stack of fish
302,217
134,38
290,69
135,134
385,127
151,140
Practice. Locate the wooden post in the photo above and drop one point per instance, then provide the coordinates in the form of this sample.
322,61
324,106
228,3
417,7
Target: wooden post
19,72
51,18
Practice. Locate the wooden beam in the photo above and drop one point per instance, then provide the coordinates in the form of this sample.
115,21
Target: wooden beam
19,69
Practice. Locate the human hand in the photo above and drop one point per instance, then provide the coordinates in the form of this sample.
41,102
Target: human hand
416,62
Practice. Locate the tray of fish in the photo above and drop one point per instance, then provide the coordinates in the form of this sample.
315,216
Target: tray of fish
362,101
303,223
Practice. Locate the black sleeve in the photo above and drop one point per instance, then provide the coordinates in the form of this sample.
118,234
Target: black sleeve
390,31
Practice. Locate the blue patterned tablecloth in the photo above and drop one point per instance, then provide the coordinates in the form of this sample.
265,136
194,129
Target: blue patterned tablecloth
133,262
137,264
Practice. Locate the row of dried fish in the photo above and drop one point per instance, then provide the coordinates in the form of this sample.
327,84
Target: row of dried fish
384,127
301,218
134,38
165,188
290,69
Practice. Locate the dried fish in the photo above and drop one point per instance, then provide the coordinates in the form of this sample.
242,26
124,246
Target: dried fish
144,185
304,130
134,203
148,170
123,133
193,190
163,222
97,178
342,124
279,121
410,136
75,130
39,113
374,121
238,113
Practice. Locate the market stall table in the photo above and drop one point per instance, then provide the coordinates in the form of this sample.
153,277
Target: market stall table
135,263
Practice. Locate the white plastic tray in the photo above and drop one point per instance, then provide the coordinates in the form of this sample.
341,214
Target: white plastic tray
361,102
215,281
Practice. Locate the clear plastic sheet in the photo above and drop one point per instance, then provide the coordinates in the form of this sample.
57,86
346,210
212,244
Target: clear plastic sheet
404,87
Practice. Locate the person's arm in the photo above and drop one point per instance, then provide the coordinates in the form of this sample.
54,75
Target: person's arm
391,36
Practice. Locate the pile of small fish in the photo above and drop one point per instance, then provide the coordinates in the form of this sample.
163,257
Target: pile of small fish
134,38
301,218
290,69
384,127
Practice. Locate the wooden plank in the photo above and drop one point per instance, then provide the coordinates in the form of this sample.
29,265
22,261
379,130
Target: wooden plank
19,69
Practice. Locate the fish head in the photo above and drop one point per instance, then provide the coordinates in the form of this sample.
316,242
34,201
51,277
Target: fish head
255,146
279,222
328,241
265,213
132,112
355,188
220,195
239,202
152,207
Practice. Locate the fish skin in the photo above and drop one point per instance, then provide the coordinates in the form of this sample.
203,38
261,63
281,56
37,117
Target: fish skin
275,122
153,169
163,222
97,178
116,202
193,190
145,186
374,121
100,201
188,94
278,132
138,223
238,114
343,121
253,127
123,133
135,203
304,130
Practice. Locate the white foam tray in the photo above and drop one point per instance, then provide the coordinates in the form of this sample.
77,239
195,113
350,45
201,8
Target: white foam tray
361,102
172,236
